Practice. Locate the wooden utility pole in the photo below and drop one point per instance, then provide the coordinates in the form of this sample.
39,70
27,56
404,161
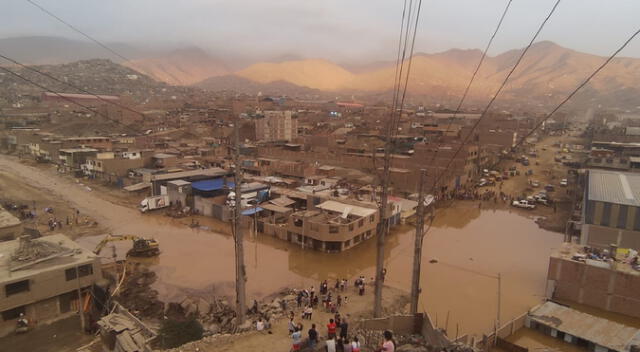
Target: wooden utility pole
241,277
383,227
417,250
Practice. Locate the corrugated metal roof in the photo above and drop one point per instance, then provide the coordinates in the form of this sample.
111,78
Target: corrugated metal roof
603,332
614,187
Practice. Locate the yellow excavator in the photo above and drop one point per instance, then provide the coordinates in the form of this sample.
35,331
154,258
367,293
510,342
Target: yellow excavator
142,247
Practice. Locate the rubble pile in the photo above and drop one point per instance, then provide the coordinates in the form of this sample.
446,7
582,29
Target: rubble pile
30,250
217,315
138,297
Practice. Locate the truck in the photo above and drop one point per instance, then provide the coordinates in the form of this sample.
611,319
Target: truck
525,204
154,202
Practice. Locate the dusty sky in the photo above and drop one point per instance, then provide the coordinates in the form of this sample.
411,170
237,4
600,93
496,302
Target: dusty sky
339,30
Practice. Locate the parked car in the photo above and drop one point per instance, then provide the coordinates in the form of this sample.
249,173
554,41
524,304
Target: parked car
524,204
549,188
535,183
564,182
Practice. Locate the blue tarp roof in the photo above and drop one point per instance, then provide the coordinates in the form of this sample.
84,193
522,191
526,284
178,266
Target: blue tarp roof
211,185
252,211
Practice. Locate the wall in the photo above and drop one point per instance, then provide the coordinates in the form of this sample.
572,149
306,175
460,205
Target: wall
399,324
603,288
47,284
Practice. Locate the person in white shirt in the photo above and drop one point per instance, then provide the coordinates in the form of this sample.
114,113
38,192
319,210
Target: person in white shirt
331,345
260,325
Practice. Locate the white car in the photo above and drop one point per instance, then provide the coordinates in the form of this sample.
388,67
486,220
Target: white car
525,204
564,182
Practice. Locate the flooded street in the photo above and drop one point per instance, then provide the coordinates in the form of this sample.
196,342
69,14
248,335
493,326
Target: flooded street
471,246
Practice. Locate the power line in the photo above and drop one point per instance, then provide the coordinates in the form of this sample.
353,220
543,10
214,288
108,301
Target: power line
30,68
75,29
497,93
58,94
575,91
475,72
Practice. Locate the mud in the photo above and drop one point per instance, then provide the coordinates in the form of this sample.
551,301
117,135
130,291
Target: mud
470,244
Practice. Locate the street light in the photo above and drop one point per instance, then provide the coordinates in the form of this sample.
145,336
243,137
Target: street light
497,277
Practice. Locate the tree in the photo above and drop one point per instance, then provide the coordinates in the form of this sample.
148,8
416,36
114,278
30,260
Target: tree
174,333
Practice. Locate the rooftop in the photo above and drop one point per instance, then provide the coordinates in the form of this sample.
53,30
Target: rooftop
600,331
19,260
346,209
7,219
614,187
214,171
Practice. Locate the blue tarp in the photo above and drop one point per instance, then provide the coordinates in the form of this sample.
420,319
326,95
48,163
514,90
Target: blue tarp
211,185
252,211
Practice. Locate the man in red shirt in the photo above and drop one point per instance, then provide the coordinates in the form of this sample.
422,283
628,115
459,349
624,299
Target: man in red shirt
331,329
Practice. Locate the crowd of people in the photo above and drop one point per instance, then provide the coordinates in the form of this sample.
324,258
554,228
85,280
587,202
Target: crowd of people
333,297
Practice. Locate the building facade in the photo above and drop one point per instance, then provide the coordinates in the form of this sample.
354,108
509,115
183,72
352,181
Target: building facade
44,287
611,209
276,126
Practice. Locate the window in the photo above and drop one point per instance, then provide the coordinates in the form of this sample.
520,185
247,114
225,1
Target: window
372,218
70,274
83,270
300,238
16,287
13,314
297,223
333,229
622,216
351,227
361,223
606,214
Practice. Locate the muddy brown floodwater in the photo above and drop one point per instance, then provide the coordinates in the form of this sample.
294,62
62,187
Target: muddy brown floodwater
470,245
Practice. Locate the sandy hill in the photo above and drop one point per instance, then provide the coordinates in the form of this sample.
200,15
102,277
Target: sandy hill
547,70
180,67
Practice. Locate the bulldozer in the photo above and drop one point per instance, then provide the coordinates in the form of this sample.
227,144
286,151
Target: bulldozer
142,247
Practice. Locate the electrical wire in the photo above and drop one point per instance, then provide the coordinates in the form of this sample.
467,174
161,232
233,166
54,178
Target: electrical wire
573,93
473,76
75,29
497,93
31,68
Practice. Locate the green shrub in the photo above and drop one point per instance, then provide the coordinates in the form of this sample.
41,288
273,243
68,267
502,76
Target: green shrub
174,333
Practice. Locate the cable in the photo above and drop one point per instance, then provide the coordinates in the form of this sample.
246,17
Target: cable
58,94
41,8
574,92
497,93
30,68
473,76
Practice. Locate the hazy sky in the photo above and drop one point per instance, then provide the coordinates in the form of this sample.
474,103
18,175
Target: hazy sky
339,30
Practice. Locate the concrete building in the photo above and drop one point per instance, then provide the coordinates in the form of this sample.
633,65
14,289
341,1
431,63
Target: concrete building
71,159
276,126
611,209
41,279
593,280
10,226
332,226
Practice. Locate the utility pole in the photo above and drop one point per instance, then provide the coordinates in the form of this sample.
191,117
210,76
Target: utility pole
83,324
417,252
383,227
241,277
499,299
